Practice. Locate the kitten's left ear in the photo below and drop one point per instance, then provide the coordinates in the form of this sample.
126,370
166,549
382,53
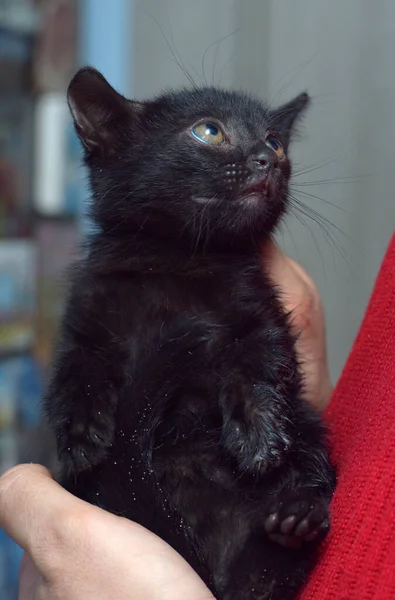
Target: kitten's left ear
101,115
285,118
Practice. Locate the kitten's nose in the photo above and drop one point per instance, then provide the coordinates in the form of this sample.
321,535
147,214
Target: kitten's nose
263,161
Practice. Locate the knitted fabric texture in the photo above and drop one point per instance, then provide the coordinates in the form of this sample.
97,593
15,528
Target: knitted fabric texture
357,560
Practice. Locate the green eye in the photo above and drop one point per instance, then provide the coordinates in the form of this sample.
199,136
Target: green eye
208,133
275,145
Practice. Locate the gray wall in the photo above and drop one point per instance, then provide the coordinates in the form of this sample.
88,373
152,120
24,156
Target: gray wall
190,27
341,52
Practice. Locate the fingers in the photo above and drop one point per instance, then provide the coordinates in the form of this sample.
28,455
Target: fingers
300,298
297,290
31,504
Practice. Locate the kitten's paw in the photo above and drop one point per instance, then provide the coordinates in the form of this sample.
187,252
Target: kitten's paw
296,518
83,441
258,434
256,448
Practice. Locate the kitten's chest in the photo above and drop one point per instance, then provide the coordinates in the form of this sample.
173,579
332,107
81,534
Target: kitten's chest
228,296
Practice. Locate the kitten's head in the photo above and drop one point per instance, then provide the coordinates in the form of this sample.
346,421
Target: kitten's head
202,166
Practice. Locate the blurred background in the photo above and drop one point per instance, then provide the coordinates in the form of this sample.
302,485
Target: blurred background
341,52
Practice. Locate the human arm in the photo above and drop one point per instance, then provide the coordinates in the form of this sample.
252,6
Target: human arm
75,551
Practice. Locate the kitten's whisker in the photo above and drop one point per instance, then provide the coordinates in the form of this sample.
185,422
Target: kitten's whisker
297,173
302,66
285,224
324,220
175,54
219,223
214,62
312,234
342,180
279,116
186,73
324,225
217,45
209,232
180,62
202,216
224,67
304,209
310,195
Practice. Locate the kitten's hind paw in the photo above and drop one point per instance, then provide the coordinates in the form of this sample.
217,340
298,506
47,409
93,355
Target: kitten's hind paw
295,518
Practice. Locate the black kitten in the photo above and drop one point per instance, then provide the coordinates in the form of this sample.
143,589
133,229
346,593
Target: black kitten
176,393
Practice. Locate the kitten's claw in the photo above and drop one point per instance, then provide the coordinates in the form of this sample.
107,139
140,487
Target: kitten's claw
296,518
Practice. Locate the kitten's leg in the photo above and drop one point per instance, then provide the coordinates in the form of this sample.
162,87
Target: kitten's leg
93,366
80,405
228,519
260,383
298,511
257,424
276,560
296,516
88,374
258,532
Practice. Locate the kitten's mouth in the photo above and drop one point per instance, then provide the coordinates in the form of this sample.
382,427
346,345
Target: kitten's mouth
258,191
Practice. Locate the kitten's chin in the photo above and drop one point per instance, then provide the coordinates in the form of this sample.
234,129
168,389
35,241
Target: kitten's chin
260,200
254,198
261,211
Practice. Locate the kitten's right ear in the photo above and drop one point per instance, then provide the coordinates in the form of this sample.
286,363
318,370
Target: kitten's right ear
100,113
287,116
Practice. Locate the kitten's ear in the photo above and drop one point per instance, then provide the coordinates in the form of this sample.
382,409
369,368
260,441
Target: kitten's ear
100,113
286,117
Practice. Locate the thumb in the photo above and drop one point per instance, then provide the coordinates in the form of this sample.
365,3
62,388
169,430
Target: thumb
301,300
31,505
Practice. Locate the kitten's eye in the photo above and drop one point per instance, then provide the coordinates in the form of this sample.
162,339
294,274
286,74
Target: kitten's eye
208,133
275,145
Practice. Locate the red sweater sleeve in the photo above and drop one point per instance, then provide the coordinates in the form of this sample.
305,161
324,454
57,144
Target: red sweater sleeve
358,558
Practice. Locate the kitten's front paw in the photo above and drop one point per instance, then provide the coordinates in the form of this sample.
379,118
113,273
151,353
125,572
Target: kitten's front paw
84,440
257,433
295,518
84,445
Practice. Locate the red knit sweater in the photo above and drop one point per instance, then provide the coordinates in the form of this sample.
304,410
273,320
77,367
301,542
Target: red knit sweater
358,558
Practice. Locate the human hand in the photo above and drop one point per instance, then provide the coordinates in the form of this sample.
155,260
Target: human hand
300,298
76,551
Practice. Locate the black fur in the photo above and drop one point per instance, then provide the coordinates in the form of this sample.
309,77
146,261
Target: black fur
176,393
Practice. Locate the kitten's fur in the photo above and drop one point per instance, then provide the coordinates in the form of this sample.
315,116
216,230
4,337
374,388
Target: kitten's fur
176,393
